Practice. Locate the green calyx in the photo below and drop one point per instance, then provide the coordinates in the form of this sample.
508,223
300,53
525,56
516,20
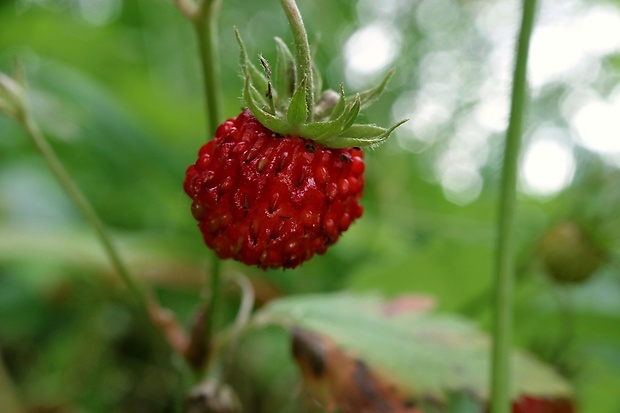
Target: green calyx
288,100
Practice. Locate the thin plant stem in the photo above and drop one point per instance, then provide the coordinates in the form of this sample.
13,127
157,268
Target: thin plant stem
203,16
205,26
215,293
501,371
82,204
302,47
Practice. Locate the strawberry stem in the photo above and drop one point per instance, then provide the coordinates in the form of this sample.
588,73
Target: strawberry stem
203,16
304,54
501,371
215,293
204,19
81,203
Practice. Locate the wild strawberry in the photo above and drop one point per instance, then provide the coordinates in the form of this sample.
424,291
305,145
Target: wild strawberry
283,180
272,201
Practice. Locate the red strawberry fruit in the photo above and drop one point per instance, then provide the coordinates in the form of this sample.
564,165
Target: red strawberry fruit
283,180
273,202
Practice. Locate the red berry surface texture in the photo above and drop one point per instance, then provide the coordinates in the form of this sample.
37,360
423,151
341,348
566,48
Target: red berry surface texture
270,200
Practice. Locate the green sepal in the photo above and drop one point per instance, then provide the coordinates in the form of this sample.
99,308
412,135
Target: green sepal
352,113
259,99
285,74
249,69
268,120
361,136
340,106
270,94
283,100
298,110
321,130
357,130
370,96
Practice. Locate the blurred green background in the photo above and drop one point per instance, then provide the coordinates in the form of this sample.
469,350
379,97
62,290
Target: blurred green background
115,86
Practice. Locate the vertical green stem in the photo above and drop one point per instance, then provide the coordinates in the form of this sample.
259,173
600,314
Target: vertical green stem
504,272
205,25
206,33
82,204
304,54
211,319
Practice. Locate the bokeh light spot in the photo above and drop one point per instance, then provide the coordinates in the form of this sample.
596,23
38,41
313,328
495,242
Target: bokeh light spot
369,50
548,165
597,124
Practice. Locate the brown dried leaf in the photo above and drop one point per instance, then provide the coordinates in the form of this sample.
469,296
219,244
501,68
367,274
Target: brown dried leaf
365,353
339,379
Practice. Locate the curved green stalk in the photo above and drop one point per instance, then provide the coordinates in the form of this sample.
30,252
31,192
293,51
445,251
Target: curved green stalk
82,204
504,271
304,54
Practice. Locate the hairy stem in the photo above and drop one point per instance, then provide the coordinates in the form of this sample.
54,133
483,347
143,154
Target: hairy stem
204,23
501,371
82,204
304,54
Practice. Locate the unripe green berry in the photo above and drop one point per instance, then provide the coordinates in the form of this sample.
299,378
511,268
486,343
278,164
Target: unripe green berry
568,254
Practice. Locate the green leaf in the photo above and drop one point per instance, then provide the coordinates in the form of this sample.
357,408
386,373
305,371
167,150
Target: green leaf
298,109
285,72
423,354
